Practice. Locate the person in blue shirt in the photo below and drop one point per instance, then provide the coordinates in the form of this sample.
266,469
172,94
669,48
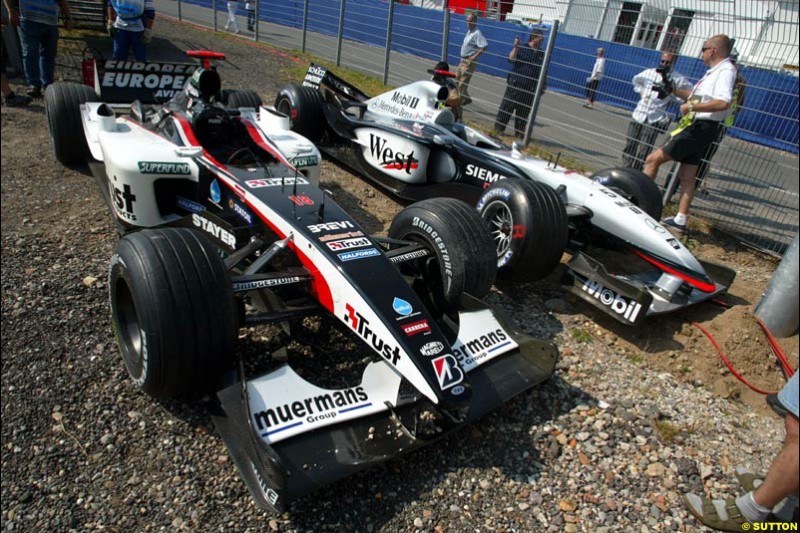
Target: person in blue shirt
130,22
37,22
522,83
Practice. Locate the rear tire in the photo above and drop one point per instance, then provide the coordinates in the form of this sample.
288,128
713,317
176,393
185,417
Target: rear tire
63,108
244,98
462,257
529,227
173,311
634,185
303,106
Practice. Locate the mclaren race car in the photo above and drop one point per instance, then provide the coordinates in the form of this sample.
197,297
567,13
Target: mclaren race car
223,228
407,141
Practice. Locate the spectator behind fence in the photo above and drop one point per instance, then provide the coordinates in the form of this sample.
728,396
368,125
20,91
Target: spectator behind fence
736,106
707,104
765,495
651,116
522,83
130,22
471,49
37,24
442,75
233,6
593,81
250,9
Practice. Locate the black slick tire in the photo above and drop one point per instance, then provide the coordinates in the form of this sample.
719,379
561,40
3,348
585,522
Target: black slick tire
463,253
303,106
244,98
63,107
173,311
529,227
636,186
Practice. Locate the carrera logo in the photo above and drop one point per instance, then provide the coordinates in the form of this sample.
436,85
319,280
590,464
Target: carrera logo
483,174
629,309
431,348
153,167
388,158
214,229
277,182
359,254
405,99
123,201
447,371
416,327
308,410
346,244
361,326
330,226
478,349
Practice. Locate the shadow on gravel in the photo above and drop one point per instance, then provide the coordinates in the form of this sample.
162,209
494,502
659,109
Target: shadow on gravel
508,445
353,206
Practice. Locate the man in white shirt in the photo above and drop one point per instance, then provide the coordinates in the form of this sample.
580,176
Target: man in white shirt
707,104
594,78
651,117
471,49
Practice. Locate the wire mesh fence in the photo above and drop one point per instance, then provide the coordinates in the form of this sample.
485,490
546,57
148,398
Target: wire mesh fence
751,185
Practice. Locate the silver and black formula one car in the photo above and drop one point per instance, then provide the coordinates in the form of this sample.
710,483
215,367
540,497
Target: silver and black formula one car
406,141
221,229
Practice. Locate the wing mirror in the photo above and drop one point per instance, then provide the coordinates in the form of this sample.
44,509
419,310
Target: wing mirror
189,151
441,140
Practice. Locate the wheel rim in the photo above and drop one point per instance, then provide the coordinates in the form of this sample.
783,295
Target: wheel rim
501,224
285,107
130,329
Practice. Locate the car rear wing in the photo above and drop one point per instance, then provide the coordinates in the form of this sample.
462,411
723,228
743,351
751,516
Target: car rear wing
319,77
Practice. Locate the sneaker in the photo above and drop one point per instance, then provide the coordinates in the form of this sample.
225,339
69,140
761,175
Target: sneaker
17,100
35,92
673,227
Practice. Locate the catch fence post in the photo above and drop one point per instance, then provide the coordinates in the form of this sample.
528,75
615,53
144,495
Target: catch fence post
388,53
214,9
305,26
445,29
540,83
341,34
180,15
255,33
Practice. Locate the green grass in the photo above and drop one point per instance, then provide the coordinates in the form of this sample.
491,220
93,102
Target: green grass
370,85
580,335
667,430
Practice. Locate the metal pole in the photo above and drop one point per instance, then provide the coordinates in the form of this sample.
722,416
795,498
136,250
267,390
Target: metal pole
779,306
341,34
540,83
305,26
255,34
180,17
214,9
445,29
388,53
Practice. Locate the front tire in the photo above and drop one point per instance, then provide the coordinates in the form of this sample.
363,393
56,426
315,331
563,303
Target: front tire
529,227
634,185
173,311
63,108
303,106
462,257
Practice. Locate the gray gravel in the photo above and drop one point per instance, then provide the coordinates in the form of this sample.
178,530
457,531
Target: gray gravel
607,445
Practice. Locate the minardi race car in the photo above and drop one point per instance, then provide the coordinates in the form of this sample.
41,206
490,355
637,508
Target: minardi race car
407,141
223,229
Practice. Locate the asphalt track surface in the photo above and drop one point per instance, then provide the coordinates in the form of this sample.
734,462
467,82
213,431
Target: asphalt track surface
752,191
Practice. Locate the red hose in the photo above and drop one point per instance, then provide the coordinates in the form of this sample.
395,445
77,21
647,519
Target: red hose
776,349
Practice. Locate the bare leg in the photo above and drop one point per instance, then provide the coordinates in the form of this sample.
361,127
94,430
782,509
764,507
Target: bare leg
782,479
654,160
688,176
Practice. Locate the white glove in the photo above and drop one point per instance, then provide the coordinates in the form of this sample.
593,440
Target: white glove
147,36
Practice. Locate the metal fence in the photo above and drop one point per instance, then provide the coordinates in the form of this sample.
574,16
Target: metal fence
751,190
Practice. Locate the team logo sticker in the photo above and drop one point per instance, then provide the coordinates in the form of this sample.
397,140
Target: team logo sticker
431,348
358,254
402,307
216,193
447,371
414,328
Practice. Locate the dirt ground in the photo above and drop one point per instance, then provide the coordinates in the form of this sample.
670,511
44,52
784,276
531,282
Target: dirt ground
673,343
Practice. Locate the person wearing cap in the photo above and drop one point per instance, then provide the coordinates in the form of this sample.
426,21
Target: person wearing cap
707,104
442,75
471,49
522,83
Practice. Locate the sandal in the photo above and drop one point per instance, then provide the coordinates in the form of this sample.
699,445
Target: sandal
748,480
705,511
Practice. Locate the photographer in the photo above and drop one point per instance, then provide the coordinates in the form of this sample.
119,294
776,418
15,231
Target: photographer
651,116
